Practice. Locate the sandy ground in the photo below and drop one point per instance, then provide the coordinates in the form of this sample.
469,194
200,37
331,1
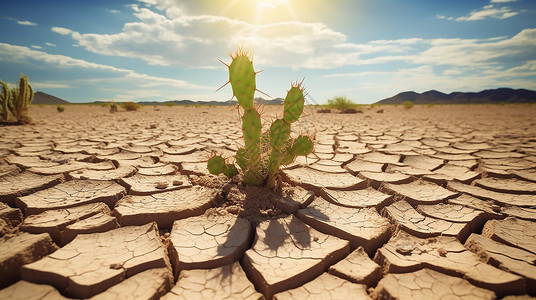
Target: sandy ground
426,203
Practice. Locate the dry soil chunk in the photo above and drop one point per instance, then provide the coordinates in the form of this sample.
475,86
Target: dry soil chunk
405,216
59,169
381,158
24,290
358,165
99,222
146,185
6,170
327,287
419,192
24,184
78,270
487,207
501,198
287,253
20,249
70,194
55,221
367,197
453,172
455,213
423,162
520,212
506,258
312,179
511,185
525,174
514,232
27,162
377,178
227,282
159,170
358,268
361,226
406,253
103,174
164,208
294,198
209,241
11,216
427,284
147,285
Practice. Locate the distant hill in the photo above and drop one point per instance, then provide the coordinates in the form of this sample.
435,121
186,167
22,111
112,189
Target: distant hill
487,96
44,98
276,101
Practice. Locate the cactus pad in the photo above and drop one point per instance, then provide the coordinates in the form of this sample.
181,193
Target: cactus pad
302,146
242,78
293,104
216,165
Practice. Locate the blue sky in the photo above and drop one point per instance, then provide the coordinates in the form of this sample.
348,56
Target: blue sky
158,50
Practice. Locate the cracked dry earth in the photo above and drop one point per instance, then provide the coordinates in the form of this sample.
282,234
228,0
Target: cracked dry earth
426,203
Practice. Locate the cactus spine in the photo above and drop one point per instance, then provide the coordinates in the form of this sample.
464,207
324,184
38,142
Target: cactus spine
263,154
5,99
22,98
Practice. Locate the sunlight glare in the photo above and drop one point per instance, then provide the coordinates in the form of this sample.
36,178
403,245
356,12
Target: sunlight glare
270,4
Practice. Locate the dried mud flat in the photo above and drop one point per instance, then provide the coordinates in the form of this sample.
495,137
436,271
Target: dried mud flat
427,203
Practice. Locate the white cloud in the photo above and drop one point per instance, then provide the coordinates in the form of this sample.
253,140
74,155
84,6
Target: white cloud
194,41
177,38
24,55
27,23
36,47
480,52
49,85
50,44
61,30
113,11
489,11
441,17
502,1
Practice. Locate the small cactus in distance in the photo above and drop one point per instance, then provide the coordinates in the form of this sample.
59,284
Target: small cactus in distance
263,153
21,100
5,99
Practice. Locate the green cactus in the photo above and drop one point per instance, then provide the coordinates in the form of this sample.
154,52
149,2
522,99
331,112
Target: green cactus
5,99
21,100
263,153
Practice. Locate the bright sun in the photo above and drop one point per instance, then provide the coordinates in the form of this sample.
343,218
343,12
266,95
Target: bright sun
270,4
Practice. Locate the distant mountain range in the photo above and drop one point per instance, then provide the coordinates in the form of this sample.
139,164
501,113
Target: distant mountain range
44,98
259,100
487,96
500,95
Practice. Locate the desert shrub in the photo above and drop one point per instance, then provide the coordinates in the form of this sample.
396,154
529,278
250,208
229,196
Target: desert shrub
131,106
407,104
340,102
430,105
113,107
169,104
60,108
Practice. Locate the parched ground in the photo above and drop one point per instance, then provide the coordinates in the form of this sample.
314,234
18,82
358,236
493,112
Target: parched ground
427,203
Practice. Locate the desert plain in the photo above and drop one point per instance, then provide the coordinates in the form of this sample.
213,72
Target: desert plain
422,203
